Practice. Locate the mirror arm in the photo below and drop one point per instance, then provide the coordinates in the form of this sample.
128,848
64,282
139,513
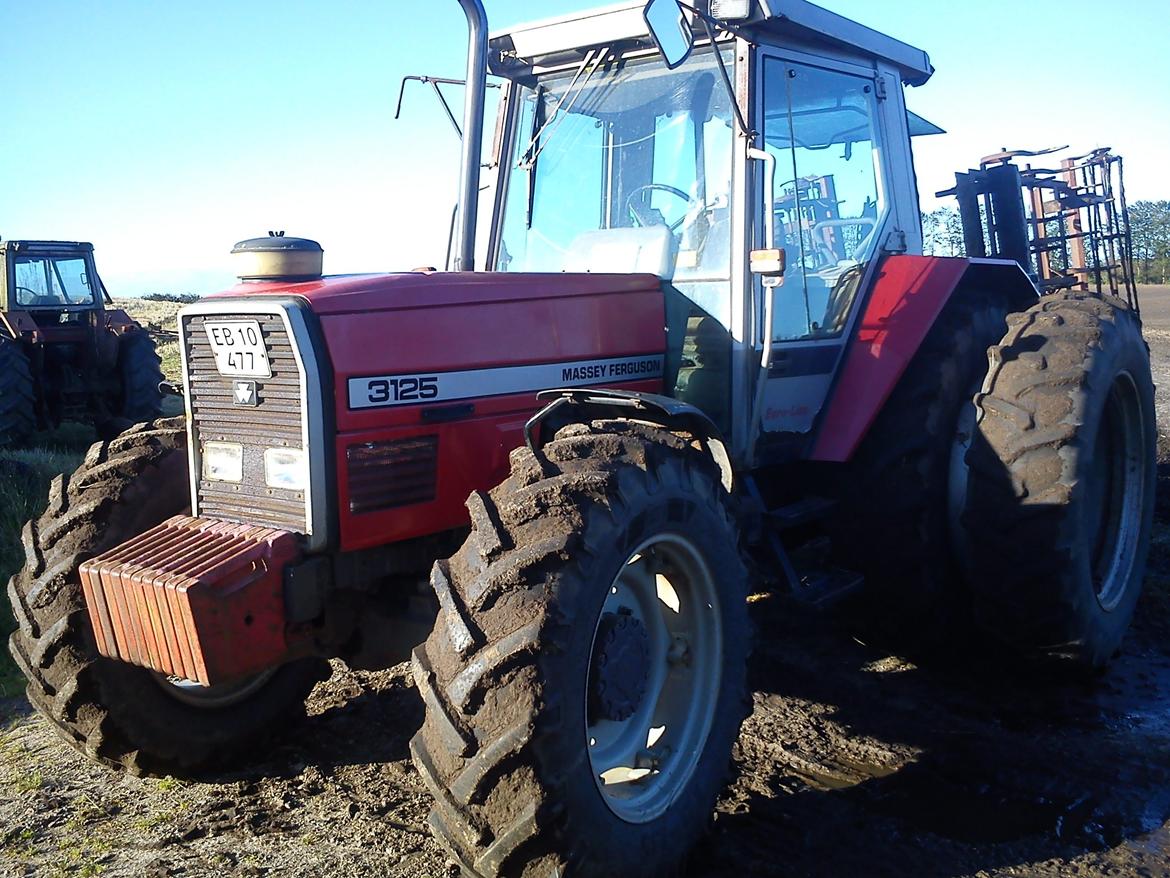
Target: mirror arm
725,77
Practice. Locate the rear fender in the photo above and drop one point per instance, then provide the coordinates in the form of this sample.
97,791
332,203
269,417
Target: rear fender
573,406
120,323
908,295
20,325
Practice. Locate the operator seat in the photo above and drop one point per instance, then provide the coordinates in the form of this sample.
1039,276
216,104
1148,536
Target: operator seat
645,250
705,378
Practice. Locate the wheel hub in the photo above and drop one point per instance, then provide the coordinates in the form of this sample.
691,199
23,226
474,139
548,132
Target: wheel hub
620,667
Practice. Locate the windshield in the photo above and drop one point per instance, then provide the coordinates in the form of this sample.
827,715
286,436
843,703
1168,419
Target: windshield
52,282
622,166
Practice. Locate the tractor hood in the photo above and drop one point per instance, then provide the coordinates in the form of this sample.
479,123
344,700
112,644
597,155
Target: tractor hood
364,293
430,377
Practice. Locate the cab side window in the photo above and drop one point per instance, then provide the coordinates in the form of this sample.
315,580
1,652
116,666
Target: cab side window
830,203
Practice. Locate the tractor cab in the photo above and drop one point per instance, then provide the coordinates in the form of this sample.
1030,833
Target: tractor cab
68,356
780,133
55,282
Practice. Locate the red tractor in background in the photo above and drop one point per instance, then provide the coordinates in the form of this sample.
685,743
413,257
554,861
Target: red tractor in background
716,260
63,354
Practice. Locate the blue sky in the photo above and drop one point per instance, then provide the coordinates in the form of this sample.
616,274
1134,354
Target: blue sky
166,132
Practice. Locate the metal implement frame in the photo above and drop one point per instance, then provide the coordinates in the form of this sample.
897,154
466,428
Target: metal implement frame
1067,226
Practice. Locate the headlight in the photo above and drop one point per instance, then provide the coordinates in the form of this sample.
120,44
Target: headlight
286,468
223,461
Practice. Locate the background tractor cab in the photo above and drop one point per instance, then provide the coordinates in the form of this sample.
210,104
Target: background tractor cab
788,131
49,279
63,354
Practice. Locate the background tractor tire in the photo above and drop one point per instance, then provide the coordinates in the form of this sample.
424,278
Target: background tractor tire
893,523
1060,494
18,417
525,662
116,713
141,374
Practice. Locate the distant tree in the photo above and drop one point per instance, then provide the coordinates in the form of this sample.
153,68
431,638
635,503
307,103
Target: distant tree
182,298
1149,223
942,233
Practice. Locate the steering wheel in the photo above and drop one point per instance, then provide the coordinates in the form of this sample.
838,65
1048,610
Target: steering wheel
641,213
859,250
30,300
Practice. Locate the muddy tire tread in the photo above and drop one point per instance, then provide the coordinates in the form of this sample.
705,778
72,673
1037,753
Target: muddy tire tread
1023,475
479,751
88,512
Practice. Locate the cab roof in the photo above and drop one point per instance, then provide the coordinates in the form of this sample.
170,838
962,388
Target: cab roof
795,23
46,246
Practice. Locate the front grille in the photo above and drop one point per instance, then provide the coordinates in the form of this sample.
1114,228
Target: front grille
275,422
383,475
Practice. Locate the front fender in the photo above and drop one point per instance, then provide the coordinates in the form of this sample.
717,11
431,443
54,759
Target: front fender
581,405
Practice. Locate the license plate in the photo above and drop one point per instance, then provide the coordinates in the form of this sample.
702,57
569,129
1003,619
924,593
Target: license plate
239,348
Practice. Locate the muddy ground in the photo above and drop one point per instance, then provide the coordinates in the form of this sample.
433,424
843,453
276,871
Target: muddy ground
854,762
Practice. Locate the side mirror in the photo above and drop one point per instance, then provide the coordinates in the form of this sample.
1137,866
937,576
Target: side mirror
670,29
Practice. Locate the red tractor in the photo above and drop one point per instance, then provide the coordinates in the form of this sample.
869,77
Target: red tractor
63,354
716,260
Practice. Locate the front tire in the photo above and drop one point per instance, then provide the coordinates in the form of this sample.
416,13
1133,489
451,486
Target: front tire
141,373
586,677
116,713
18,417
1060,496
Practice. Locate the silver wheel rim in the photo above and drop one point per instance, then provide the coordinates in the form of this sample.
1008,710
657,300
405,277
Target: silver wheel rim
212,697
644,762
1115,493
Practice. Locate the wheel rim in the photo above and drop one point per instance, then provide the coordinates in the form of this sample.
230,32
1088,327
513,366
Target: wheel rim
654,677
1116,492
212,697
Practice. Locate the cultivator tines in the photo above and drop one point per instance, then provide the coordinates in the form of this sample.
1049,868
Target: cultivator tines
1068,226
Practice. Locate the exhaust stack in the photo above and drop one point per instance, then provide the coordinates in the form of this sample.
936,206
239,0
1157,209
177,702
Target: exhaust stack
473,103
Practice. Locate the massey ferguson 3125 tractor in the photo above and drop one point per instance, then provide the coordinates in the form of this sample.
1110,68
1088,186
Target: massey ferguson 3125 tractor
713,264
63,354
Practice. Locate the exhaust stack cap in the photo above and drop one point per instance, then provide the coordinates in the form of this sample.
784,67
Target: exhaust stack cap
278,258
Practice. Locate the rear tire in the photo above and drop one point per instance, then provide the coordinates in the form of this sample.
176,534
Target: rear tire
116,713
528,679
893,524
1061,479
18,417
141,373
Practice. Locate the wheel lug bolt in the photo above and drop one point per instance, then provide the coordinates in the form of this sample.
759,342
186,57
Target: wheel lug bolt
651,759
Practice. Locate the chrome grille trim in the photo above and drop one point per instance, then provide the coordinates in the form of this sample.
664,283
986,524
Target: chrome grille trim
290,414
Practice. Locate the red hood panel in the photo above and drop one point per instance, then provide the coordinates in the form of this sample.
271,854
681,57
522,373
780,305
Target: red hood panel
348,294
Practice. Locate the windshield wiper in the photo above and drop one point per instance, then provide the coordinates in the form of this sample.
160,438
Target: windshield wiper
542,119
532,154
